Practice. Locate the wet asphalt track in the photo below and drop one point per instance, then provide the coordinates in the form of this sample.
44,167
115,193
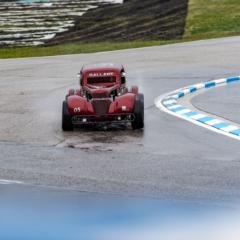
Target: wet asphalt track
170,158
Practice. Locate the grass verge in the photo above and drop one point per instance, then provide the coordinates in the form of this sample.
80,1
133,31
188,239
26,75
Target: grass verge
74,48
206,19
212,19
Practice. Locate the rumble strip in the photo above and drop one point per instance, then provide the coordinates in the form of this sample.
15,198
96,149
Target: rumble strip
169,104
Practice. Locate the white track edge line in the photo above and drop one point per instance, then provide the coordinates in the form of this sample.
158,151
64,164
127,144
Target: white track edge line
6,182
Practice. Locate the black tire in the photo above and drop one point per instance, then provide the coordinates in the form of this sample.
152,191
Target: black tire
138,122
66,118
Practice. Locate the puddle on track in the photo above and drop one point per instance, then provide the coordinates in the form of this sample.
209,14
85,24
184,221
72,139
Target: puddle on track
102,138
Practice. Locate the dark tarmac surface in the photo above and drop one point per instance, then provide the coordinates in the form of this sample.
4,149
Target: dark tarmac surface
170,158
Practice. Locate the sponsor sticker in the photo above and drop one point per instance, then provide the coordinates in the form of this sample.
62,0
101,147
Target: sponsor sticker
104,74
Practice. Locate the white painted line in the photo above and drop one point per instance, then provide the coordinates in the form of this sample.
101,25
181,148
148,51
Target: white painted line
175,96
171,101
174,107
158,104
5,182
184,111
220,81
213,122
198,116
186,91
229,128
199,85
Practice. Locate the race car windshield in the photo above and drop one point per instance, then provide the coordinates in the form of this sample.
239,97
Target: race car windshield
101,80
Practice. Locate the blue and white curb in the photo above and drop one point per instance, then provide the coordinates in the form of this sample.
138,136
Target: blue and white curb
169,103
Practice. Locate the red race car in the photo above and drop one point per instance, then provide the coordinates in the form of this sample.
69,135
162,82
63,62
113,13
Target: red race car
103,97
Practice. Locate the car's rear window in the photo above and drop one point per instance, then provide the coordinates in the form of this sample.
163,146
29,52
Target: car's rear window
100,80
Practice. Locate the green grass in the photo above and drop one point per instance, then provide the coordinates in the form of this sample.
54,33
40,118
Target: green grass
206,19
74,48
212,18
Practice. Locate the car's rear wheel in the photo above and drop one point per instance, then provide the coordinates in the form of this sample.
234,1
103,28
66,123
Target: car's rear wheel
66,118
138,122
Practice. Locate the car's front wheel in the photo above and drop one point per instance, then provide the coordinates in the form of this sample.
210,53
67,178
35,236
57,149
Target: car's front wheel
66,118
138,112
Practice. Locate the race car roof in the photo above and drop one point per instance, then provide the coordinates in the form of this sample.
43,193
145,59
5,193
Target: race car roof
102,67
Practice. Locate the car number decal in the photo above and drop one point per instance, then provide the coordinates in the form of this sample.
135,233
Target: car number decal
77,110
